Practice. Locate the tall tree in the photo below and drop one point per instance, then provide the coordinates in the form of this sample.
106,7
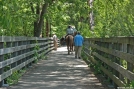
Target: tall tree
91,14
41,9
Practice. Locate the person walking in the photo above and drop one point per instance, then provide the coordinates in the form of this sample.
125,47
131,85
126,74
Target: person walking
55,39
78,43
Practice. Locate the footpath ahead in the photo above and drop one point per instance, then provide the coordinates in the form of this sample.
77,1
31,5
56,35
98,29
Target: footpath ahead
59,71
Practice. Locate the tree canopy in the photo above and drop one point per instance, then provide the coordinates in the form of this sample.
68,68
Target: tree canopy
44,17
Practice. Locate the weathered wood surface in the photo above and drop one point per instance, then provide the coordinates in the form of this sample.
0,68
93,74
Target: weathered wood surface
116,55
18,52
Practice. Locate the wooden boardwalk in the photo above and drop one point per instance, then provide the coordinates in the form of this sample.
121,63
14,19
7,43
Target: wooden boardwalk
59,71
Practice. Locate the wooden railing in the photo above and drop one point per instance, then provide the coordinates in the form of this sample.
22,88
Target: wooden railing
114,56
20,52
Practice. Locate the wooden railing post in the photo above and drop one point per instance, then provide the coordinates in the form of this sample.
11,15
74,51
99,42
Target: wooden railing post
14,44
1,59
28,50
8,56
130,66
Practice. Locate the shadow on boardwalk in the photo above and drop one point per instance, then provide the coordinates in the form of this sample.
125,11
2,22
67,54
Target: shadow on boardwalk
59,71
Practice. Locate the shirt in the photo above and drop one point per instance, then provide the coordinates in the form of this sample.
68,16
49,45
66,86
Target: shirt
70,31
78,40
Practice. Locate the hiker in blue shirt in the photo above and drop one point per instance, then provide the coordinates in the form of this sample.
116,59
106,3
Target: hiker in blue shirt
78,43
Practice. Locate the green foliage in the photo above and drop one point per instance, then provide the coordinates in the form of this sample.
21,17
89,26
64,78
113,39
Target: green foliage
97,69
36,55
13,79
111,17
132,84
84,57
64,13
42,56
94,66
15,17
114,18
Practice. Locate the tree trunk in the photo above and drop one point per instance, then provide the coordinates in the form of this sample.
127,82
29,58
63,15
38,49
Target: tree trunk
36,22
39,23
47,28
91,14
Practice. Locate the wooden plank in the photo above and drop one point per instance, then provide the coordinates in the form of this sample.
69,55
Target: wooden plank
14,49
112,39
20,38
126,56
40,38
43,43
45,48
10,39
86,50
9,72
5,74
126,40
119,68
114,78
14,59
24,50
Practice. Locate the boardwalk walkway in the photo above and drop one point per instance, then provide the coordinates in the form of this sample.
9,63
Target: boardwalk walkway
59,71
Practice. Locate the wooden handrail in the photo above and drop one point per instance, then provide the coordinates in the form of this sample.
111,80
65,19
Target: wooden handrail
19,52
115,56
